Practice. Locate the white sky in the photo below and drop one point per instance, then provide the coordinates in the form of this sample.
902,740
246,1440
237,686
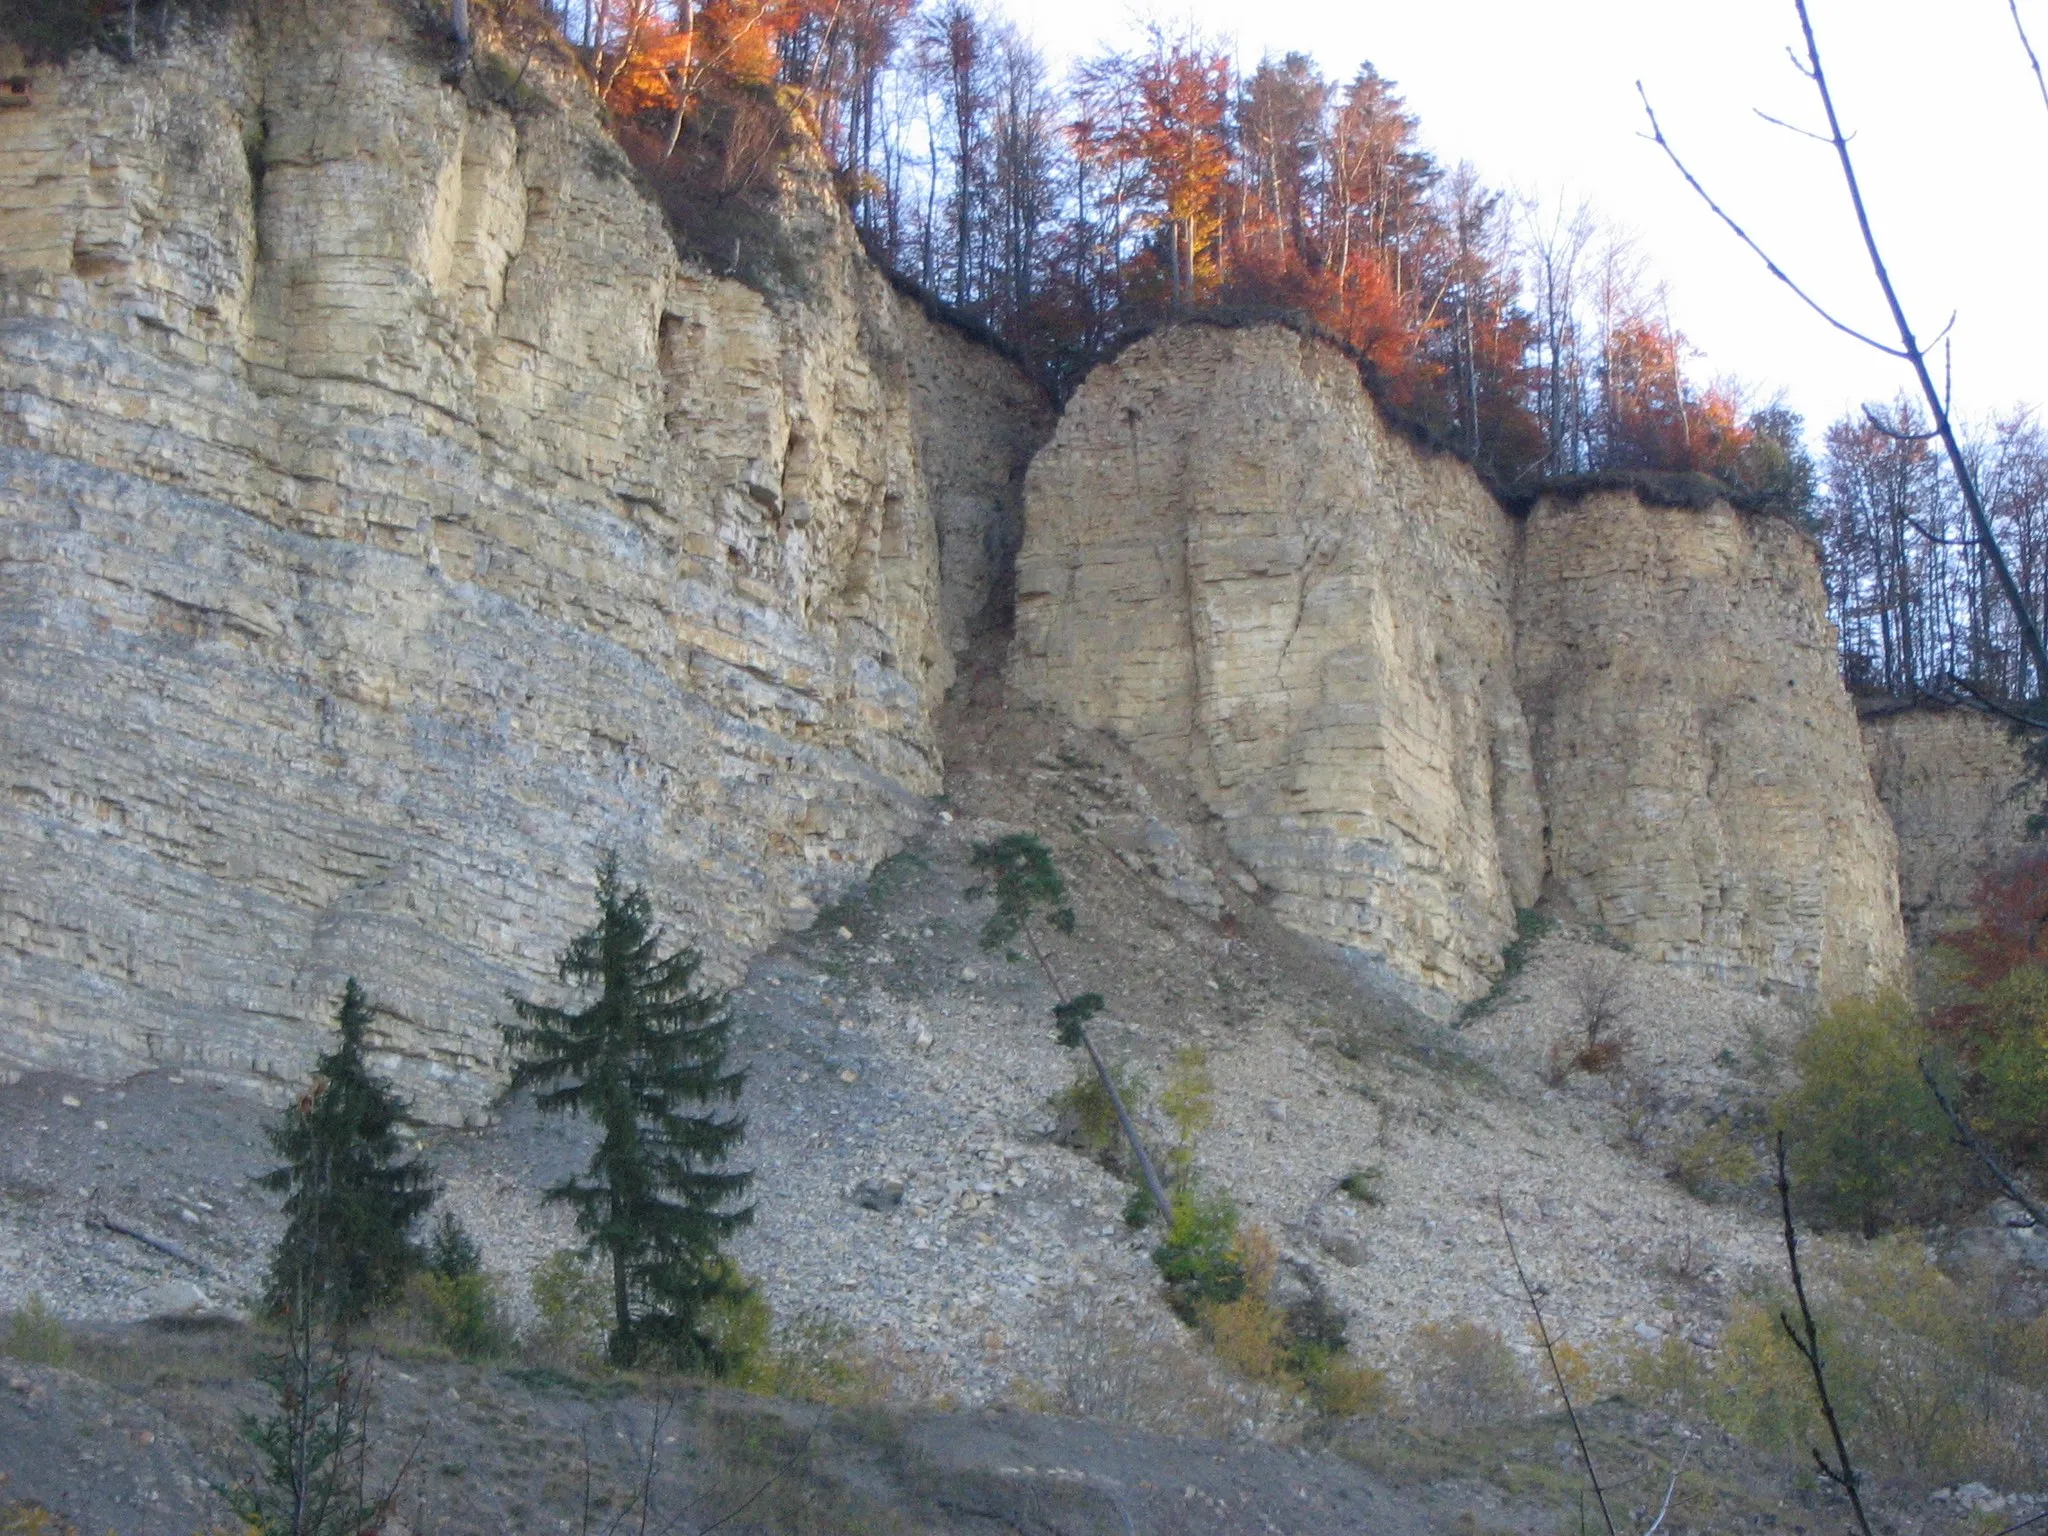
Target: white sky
1952,145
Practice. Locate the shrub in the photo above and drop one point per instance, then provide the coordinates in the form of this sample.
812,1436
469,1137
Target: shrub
1669,1374
814,1358
1085,1119
1868,1144
1107,1368
1344,1388
2013,1060
573,1309
1530,928
37,1335
1249,1335
1190,1103
1363,1185
1599,990
463,1313
1199,1257
450,1251
1715,1163
1932,1383
1464,1374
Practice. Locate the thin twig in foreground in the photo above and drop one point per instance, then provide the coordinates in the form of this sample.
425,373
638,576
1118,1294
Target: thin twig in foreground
773,1478
2039,79
1543,1334
1670,1488
1843,1473
1657,137
1969,1141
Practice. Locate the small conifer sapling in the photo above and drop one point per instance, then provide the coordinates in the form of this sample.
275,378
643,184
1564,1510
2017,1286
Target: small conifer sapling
350,1198
1028,892
644,1060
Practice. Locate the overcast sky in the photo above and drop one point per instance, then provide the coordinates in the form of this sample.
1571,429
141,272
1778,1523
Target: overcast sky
1952,142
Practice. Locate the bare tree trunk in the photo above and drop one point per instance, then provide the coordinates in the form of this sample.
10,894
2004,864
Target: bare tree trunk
458,29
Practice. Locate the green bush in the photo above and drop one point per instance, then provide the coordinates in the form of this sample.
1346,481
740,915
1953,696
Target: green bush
1464,1374
574,1309
2014,1060
1931,1381
450,1251
1086,1120
36,1335
812,1358
1868,1146
1364,1185
1714,1164
1199,1258
463,1313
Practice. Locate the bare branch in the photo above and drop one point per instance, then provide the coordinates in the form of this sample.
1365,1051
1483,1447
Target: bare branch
1543,1334
1895,433
2034,60
2026,1524
1670,1488
751,1499
1779,122
1934,538
1842,1474
1912,352
1971,1142
1657,137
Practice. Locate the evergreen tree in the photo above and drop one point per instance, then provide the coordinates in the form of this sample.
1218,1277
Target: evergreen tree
654,1200
350,1202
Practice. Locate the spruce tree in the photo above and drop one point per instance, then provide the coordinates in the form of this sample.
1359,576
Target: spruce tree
645,1062
350,1201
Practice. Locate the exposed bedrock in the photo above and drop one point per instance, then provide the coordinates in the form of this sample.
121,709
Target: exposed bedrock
1413,713
389,519
1234,565
1707,797
1961,792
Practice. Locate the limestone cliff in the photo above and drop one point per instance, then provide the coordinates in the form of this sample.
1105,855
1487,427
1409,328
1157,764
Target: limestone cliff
1413,713
1234,565
1707,797
1960,792
391,518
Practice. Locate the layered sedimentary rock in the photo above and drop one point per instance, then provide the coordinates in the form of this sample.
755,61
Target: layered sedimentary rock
390,519
1413,713
978,421
1960,792
1707,797
1233,564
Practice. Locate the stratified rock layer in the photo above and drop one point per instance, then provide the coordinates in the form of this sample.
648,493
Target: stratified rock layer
1960,792
1699,762
389,520
1412,713
1233,564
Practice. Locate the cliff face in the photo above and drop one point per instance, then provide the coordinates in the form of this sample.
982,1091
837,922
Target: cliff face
1231,563
1413,714
392,519
1707,795
1960,792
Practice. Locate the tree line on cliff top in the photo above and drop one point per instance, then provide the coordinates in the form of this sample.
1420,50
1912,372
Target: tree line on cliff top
1063,213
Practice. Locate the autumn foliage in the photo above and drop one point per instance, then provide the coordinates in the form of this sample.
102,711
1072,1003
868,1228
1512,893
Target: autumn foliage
2010,926
1163,179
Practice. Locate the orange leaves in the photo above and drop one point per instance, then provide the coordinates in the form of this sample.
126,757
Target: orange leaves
1166,115
650,78
2011,927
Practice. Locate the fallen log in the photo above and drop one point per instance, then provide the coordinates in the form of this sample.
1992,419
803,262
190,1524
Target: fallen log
162,1245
